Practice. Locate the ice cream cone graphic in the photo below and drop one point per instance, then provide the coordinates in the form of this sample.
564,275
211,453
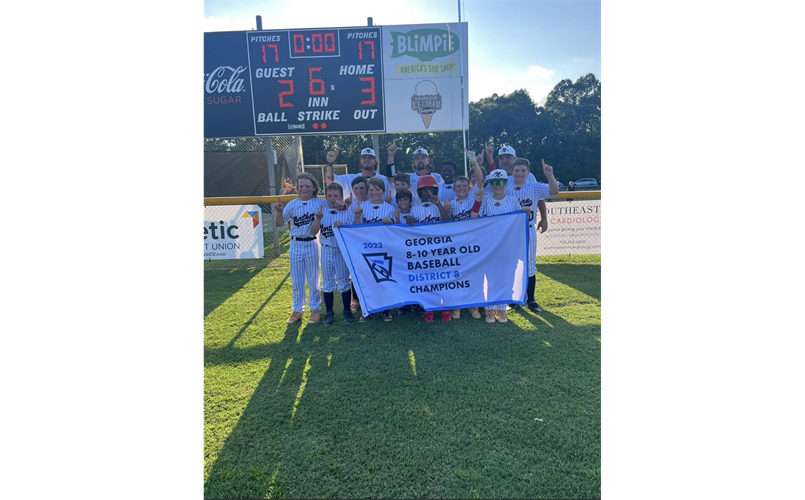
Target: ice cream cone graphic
426,101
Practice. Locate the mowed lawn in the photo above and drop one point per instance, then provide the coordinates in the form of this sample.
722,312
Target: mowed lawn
403,409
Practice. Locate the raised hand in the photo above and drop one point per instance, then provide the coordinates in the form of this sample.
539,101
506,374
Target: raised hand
332,155
319,214
358,212
393,148
447,205
479,195
488,152
387,199
278,205
337,223
348,202
547,169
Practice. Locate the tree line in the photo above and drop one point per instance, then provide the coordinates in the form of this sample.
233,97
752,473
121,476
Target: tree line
566,132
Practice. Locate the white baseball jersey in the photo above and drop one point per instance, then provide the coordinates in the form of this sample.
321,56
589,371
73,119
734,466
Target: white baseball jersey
376,213
303,255
491,206
334,270
528,195
425,212
460,210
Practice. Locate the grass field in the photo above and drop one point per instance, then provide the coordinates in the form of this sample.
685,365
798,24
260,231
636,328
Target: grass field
404,409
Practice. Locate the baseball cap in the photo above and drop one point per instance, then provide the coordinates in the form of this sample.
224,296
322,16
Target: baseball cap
506,150
421,151
497,174
368,151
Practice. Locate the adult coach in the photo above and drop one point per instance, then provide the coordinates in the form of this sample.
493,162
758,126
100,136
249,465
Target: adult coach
421,165
367,165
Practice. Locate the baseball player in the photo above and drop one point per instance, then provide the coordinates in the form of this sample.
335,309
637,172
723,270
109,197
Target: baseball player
431,208
498,203
304,251
402,181
529,194
459,209
360,195
375,211
447,190
368,167
335,273
421,165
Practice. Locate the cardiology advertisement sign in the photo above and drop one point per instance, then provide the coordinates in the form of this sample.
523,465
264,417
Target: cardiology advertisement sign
574,228
233,232
335,80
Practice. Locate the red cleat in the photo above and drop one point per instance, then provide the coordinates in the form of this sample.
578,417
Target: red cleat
446,316
428,317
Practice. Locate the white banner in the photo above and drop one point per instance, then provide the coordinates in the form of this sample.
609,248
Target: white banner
233,232
574,227
445,265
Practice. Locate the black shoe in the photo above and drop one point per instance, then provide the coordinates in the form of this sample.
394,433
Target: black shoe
404,310
328,318
348,318
387,316
534,307
364,319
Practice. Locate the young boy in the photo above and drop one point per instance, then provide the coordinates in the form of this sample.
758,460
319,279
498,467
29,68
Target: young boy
373,211
430,210
360,195
403,199
529,194
460,207
498,203
447,191
334,270
402,181
304,250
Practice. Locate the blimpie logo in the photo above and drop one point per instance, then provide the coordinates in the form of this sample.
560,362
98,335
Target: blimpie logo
380,265
424,44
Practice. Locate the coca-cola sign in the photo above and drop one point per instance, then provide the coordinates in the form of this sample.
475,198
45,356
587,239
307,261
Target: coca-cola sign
225,79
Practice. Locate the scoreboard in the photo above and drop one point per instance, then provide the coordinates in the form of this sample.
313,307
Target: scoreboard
326,81
333,81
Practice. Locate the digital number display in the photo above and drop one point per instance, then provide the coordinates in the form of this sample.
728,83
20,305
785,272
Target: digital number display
325,81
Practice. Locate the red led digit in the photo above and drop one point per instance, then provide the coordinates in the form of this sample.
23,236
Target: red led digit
313,42
329,42
371,89
300,49
276,53
287,92
360,49
315,80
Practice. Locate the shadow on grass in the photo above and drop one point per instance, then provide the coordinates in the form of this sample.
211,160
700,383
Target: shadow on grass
224,278
268,450
584,278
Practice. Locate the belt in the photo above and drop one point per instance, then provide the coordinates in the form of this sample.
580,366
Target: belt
329,246
303,238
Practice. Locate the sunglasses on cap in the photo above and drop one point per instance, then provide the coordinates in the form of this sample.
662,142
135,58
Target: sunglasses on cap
498,182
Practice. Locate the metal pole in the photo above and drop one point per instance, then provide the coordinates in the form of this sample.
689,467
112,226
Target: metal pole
461,74
272,182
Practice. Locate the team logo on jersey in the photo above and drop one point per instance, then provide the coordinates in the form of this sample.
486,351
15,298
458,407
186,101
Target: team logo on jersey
380,265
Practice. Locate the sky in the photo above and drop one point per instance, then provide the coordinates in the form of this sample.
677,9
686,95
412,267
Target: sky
527,44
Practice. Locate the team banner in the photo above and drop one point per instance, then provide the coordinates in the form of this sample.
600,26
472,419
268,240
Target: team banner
446,265
233,232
